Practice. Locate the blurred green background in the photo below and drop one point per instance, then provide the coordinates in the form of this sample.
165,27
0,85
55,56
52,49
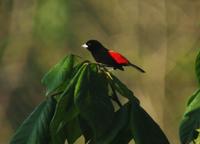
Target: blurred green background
162,36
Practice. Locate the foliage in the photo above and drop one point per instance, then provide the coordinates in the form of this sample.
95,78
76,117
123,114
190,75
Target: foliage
35,129
197,140
197,67
191,119
79,101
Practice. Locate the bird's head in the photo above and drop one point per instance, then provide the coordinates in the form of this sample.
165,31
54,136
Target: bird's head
93,45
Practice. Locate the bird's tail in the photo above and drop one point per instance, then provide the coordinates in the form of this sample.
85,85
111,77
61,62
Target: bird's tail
137,67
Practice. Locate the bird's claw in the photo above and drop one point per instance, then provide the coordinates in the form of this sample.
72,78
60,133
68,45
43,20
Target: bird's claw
108,74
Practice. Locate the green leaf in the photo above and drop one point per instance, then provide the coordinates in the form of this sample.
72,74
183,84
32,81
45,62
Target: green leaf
191,119
193,103
58,74
192,97
65,109
197,67
144,129
92,100
119,132
188,126
197,140
85,129
35,129
124,136
72,131
122,89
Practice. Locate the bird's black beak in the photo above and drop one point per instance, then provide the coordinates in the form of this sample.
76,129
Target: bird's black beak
84,46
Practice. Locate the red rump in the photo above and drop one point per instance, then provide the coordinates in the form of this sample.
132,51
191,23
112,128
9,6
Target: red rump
118,57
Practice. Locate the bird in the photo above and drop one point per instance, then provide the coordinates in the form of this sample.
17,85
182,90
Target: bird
108,57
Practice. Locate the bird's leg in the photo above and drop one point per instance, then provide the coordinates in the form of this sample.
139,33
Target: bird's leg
100,67
110,69
104,69
107,72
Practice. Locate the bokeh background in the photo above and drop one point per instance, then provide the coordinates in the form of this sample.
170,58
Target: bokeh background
162,36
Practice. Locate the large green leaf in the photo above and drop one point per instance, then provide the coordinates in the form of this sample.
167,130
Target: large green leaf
73,131
119,132
35,129
124,136
70,132
122,89
197,140
191,119
192,97
85,129
65,110
58,74
188,126
144,129
197,67
193,103
92,100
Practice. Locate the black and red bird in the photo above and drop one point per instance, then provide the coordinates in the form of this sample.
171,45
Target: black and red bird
108,57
